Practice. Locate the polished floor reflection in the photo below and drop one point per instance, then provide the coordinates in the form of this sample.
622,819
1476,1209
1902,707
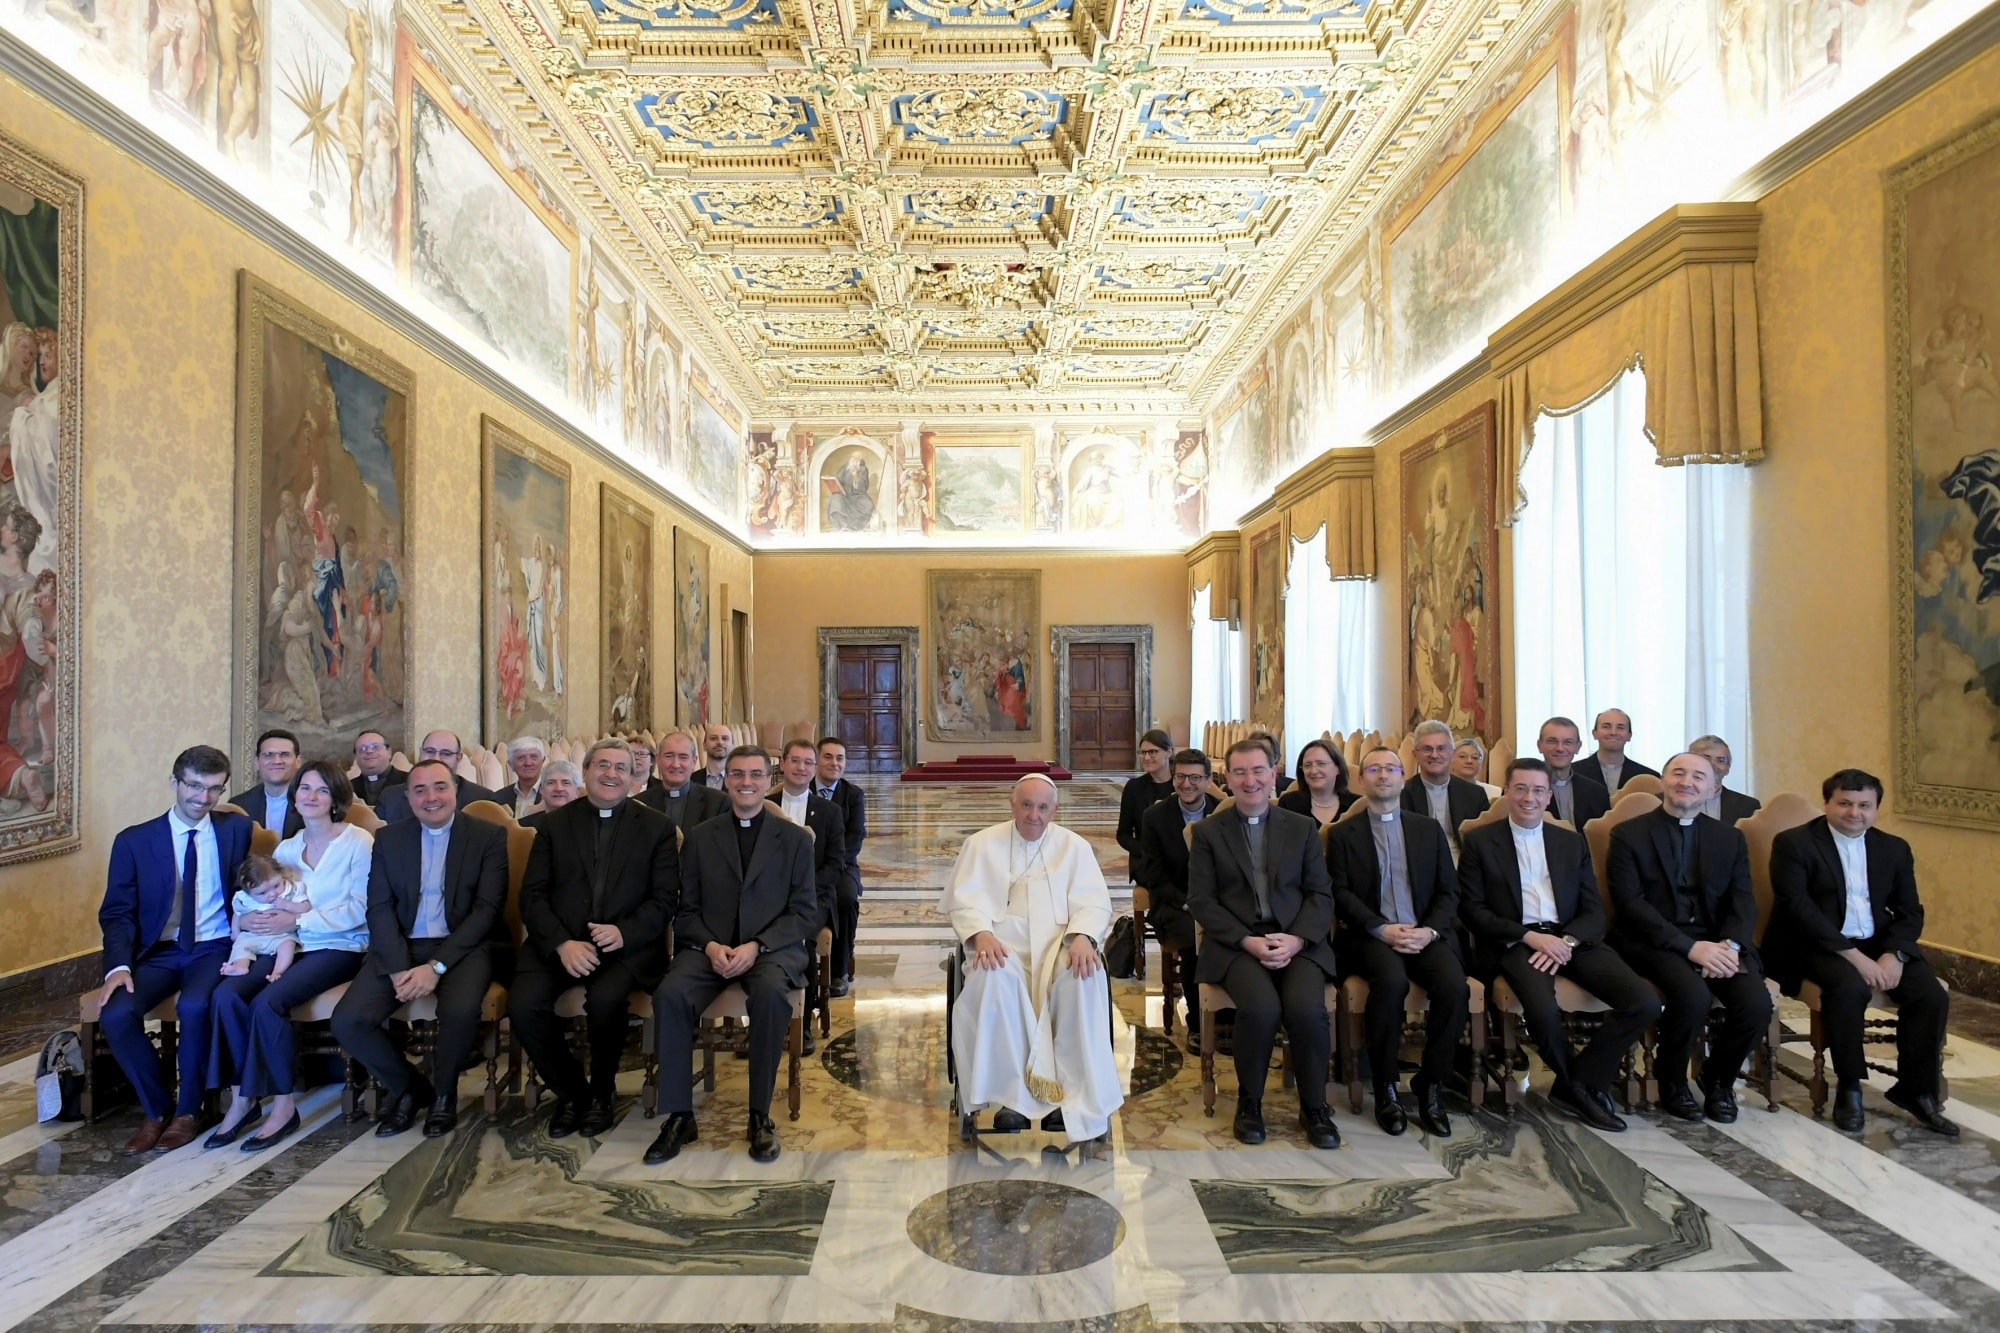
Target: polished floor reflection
877,1215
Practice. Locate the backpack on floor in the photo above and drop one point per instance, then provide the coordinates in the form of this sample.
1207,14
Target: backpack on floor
59,1078
1120,948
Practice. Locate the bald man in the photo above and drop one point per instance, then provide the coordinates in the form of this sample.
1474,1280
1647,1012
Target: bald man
440,747
1033,1029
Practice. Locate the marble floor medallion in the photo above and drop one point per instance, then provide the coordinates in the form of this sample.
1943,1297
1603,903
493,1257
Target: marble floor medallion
1016,1228
501,1198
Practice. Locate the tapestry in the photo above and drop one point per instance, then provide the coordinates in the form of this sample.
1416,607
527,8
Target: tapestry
625,613
41,401
983,628
1944,283
525,521
1451,588
691,624
1267,626
323,457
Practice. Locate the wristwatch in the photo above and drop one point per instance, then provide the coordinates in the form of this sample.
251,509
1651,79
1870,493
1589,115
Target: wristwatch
1902,957
1734,947
1570,940
437,967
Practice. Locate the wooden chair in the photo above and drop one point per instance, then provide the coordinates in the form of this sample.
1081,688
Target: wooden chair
1645,784
1347,1001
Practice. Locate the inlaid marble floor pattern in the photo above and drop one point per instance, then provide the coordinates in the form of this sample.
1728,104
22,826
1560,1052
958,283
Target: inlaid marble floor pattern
877,1216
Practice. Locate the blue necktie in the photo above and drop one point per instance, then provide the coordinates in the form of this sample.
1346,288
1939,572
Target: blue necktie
188,922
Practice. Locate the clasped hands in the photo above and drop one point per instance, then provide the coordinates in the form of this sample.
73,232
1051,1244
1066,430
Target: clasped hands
281,916
1883,974
1715,959
580,957
729,963
415,983
1548,952
988,953
1406,939
1274,950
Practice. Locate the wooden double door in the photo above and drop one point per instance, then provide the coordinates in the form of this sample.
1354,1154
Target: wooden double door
868,707
1103,707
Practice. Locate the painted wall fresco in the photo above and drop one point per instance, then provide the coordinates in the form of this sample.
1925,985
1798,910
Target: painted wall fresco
330,114
526,527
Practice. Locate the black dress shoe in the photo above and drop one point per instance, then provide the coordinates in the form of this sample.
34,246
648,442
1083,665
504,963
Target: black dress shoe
222,1138
763,1138
1430,1110
810,1044
1677,1101
1317,1122
1924,1109
400,1114
1720,1104
678,1129
1389,1112
1578,1103
259,1142
443,1118
1007,1120
1249,1121
563,1121
598,1119
1052,1123
1614,1123
840,987
1847,1113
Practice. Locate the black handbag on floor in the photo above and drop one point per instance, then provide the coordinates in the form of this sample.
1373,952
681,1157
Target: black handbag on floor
1120,948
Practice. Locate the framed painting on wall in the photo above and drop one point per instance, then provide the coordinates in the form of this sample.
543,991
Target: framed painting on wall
625,613
976,485
324,639
41,382
983,625
1267,628
691,625
525,522
1451,579
1944,289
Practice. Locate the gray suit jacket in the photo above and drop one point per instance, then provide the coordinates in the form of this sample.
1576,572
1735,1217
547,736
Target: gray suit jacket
1221,899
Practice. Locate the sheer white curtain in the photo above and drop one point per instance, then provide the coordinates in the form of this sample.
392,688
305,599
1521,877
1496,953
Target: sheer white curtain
1331,657
1216,677
1631,584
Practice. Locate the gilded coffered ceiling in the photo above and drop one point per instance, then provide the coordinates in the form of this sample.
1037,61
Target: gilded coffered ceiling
970,205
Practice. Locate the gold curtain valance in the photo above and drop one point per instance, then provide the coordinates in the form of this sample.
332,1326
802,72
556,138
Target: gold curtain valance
1212,564
1336,491
1678,298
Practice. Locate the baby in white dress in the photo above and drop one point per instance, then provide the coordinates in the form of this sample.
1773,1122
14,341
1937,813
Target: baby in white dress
263,885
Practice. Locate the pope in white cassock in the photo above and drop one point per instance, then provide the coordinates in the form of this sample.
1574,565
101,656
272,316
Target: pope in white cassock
1033,1032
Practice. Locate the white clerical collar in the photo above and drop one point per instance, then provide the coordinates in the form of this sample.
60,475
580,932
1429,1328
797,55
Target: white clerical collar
606,811
437,832
1382,818
1438,786
1533,830
1851,837
1685,822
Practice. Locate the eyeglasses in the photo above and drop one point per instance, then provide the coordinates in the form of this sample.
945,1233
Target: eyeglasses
433,752
274,754
202,788
370,747
1377,770
1151,749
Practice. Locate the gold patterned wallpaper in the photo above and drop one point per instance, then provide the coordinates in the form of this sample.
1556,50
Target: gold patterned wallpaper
159,464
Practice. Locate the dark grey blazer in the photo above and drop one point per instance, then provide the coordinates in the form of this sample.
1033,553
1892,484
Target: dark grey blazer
475,890
562,891
773,900
1221,899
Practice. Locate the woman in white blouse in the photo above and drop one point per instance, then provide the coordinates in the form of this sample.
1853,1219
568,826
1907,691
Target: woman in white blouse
252,1026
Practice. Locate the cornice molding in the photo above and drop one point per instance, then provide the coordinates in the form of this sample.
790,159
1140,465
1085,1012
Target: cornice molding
1222,541
72,97
1331,466
1685,234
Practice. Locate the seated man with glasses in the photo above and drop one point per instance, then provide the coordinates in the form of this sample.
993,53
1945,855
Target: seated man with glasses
373,774
166,928
440,747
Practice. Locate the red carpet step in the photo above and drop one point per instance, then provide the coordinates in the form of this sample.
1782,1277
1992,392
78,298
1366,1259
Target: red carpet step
984,768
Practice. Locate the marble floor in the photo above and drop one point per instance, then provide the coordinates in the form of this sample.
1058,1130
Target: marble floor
877,1215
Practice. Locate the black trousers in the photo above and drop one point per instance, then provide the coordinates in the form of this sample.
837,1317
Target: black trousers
1688,997
1598,969
531,1005
1389,974
360,1020
1294,995
690,987
1174,929
1922,1005
846,922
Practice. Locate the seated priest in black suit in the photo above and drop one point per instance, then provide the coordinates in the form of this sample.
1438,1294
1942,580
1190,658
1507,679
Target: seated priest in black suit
440,747
269,803
1438,792
1847,918
1528,891
794,795
830,782
1686,920
1726,805
373,773
674,791
1609,766
600,886
1574,798
1257,885
1160,863
748,905
562,782
437,896
1395,893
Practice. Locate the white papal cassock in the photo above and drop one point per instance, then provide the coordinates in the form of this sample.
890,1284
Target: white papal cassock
1029,1035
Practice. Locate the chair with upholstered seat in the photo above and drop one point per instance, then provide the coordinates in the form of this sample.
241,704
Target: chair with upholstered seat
1643,784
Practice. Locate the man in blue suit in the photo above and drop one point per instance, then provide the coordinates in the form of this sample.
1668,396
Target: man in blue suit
166,928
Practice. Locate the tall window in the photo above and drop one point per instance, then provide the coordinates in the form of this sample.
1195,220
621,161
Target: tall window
1331,657
1630,584
1217,674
